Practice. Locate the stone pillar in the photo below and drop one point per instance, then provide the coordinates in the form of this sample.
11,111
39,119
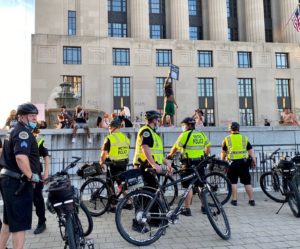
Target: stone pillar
139,19
103,19
288,32
217,20
255,21
179,15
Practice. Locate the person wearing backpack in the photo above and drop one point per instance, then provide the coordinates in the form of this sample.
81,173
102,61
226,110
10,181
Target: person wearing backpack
193,146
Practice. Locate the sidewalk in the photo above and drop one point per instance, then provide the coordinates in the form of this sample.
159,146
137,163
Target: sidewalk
251,228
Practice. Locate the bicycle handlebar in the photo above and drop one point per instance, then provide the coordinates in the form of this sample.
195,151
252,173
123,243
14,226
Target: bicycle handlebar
271,156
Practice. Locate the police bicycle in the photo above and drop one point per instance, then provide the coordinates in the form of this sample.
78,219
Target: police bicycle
151,215
282,182
74,220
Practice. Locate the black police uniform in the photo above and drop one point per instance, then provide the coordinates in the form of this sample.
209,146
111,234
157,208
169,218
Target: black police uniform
38,199
149,179
17,209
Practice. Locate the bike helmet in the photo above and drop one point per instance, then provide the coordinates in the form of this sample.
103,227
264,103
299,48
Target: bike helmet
189,121
234,126
27,108
150,115
116,122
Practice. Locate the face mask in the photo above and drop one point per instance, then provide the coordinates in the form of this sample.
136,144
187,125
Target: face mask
183,128
31,125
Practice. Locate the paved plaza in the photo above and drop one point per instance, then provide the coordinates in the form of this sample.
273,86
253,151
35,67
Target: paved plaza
251,227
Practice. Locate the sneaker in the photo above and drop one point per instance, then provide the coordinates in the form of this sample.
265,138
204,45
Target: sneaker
140,228
186,212
90,140
40,228
203,210
252,203
233,202
73,140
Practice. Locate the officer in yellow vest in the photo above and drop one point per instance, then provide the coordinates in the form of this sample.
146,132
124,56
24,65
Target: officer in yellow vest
193,146
237,149
38,199
149,148
116,150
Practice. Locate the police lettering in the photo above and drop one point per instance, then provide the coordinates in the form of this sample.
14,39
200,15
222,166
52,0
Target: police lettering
122,150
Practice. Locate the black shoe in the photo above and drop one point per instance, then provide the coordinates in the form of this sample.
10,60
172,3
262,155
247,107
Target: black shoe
186,212
140,228
112,210
233,202
128,206
252,203
40,228
203,210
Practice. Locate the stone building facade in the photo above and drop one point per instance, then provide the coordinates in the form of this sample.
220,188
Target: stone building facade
238,59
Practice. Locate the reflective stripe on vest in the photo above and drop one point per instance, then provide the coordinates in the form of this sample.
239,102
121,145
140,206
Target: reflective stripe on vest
237,146
119,146
195,146
40,141
156,149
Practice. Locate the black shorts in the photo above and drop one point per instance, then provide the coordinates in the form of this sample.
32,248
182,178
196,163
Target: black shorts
17,209
239,169
116,170
187,172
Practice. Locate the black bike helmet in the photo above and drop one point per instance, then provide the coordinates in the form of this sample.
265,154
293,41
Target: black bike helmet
116,122
150,115
27,108
189,121
234,126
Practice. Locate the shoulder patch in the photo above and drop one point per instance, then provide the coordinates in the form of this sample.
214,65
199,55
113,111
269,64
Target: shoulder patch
146,134
23,135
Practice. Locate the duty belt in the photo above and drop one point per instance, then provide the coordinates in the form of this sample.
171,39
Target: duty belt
10,173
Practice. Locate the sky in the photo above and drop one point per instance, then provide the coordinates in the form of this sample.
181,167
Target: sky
16,27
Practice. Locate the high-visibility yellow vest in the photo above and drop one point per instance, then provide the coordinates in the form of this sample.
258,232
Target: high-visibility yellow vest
237,146
39,141
119,146
195,146
156,149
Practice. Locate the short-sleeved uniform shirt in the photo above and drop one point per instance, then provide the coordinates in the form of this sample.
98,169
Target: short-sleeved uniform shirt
22,142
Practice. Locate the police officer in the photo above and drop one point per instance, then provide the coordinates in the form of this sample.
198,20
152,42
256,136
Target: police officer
193,146
116,149
237,149
20,170
38,199
149,154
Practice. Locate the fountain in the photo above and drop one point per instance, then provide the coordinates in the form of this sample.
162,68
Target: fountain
66,96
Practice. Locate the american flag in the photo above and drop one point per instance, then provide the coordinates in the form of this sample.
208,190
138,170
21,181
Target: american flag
296,19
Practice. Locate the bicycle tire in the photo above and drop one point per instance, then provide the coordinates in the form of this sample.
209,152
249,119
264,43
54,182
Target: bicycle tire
172,192
216,213
220,185
271,185
70,233
130,224
96,196
294,198
86,219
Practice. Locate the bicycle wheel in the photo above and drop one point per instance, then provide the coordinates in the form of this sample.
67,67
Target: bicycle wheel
96,196
272,185
136,226
216,215
171,193
85,219
220,185
294,198
70,232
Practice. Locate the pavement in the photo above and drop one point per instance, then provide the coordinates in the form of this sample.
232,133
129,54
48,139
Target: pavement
251,228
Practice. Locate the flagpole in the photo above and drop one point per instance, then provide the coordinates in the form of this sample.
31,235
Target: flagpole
289,19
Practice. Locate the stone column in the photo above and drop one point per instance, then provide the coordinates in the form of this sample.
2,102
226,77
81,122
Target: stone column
139,19
288,33
103,19
255,21
217,20
179,15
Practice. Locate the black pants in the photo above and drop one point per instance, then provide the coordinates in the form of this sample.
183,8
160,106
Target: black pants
38,201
